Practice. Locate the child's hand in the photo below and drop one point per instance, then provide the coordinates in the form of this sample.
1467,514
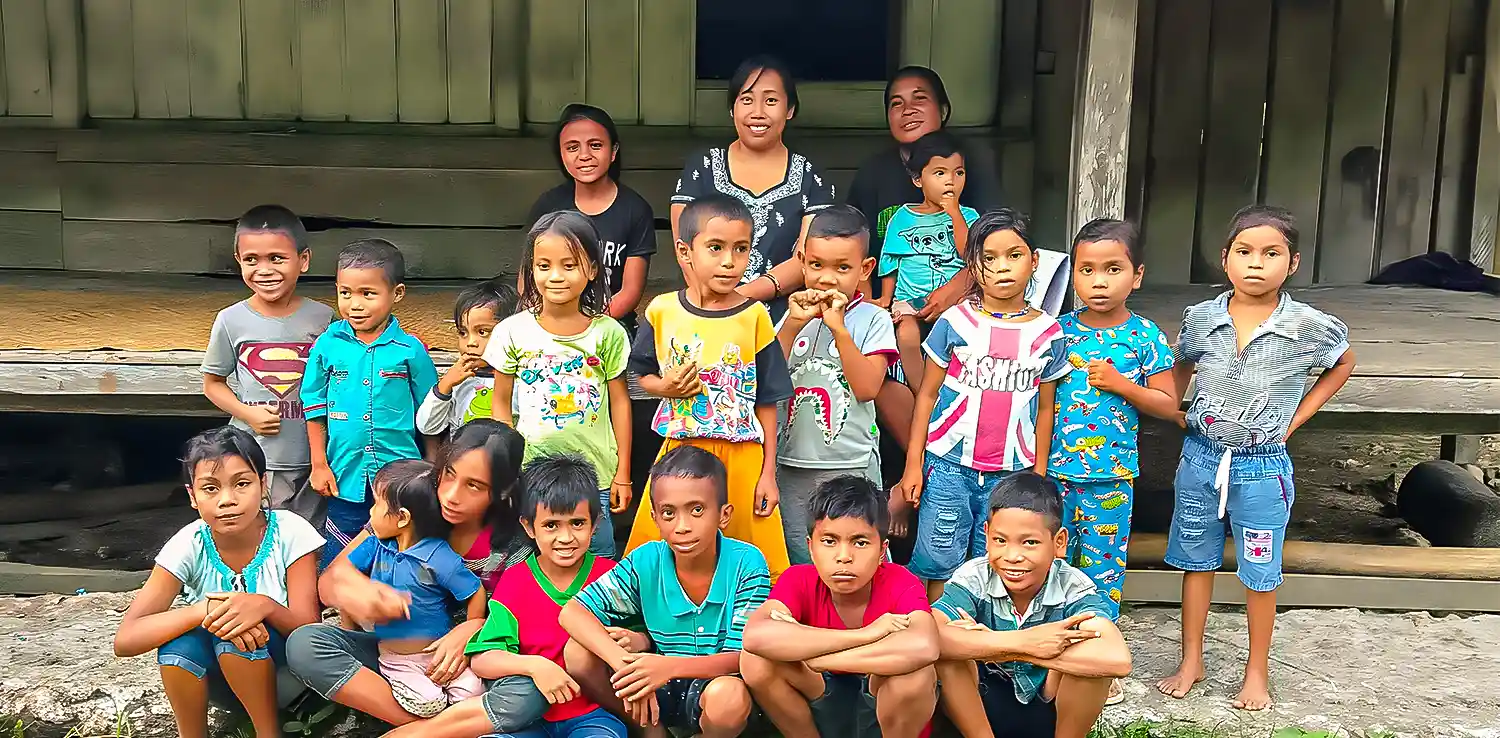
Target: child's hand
949,201
767,495
834,303
264,420
233,614
1049,641
467,366
804,306
1180,418
620,493
448,659
321,480
552,681
629,640
910,488
644,713
900,515
642,675
887,624
1105,377
253,639
681,381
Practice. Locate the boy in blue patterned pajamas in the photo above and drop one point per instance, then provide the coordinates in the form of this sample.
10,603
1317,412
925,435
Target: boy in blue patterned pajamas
1252,348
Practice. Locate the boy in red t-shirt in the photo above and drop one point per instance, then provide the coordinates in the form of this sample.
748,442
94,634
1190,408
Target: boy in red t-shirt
844,646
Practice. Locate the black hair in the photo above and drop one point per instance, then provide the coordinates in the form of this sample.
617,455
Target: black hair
559,483
929,146
219,443
700,211
839,221
848,496
1027,490
272,219
375,253
575,112
496,294
411,484
1252,216
1111,229
749,71
504,448
995,221
578,230
934,83
691,462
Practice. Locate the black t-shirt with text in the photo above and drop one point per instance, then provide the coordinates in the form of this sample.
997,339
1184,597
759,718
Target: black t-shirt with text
626,228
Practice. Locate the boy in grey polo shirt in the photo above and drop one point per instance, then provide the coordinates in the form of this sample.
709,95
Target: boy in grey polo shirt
1252,348
262,343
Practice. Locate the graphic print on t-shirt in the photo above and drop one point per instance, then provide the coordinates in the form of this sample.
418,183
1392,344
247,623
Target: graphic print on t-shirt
278,367
567,390
725,408
820,388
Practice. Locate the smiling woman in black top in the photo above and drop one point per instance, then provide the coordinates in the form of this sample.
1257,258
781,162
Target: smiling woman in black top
588,153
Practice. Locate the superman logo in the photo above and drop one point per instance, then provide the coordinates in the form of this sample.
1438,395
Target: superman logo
277,366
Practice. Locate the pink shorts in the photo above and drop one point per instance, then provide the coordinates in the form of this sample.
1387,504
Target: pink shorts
416,692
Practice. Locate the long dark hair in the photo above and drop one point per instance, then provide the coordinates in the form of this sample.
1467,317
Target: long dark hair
581,236
504,447
576,112
995,221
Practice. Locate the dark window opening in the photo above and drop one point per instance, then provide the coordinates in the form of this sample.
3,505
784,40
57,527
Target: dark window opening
820,40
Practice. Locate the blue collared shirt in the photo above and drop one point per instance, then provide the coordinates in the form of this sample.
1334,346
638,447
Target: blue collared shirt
1248,398
367,394
430,571
644,584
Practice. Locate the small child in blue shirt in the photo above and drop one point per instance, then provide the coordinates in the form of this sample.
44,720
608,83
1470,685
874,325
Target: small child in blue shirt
408,551
364,380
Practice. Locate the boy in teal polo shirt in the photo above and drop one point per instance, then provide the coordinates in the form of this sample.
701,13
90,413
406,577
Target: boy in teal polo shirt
1027,645
693,589
365,378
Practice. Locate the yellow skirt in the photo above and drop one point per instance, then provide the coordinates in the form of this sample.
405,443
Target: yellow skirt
744,461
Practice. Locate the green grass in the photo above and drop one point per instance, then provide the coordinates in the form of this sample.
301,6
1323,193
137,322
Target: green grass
1182,729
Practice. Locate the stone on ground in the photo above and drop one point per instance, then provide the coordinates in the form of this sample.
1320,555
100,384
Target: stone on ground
1450,506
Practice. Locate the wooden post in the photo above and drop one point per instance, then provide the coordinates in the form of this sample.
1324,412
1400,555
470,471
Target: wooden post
1482,249
65,56
1101,119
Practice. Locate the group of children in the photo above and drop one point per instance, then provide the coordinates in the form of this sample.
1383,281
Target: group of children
756,582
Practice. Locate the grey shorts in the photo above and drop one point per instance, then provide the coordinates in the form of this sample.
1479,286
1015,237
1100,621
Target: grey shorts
326,657
847,708
797,485
288,489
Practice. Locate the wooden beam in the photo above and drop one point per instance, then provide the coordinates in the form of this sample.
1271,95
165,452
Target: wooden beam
1416,128
1482,247
370,66
1351,559
30,579
27,67
612,58
65,53
1174,165
160,51
555,68
272,81
108,58
1322,590
508,62
321,59
668,71
421,62
1101,134
31,239
216,59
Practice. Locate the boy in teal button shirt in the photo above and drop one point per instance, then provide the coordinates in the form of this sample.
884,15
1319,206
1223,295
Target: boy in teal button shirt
365,378
694,589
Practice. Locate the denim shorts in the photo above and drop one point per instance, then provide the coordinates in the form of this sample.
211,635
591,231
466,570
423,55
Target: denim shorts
1256,494
595,724
954,507
847,708
603,542
197,652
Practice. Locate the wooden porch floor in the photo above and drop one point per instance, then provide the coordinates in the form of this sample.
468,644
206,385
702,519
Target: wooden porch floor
1429,360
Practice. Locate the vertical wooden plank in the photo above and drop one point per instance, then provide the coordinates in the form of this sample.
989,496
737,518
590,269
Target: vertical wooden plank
272,84
162,84
508,57
4,85
1356,138
108,58
612,68
1297,119
1460,146
320,60
1178,115
469,42
1140,110
370,63
1017,97
421,61
968,57
65,55
1482,249
1415,130
555,66
917,18
216,69
1101,134
27,71
667,67
1238,67
1061,25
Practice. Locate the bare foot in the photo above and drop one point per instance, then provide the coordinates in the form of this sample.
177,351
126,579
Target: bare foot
1255,694
1178,685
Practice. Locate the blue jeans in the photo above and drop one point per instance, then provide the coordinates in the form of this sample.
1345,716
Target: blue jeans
1257,501
595,724
950,519
345,520
603,542
197,652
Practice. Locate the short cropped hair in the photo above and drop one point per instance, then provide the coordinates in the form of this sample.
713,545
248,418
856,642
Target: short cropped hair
840,221
375,253
498,294
272,219
1111,229
928,147
691,462
700,211
1027,490
559,483
848,496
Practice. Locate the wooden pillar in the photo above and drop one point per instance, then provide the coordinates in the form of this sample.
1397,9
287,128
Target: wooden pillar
1482,249
1101,119
65,54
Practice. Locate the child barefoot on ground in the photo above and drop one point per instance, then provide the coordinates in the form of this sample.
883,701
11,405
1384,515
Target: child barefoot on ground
1252,348
922,242
844,646
465,391
1120,367
408,551
248,577
838,347
1027,646
694,588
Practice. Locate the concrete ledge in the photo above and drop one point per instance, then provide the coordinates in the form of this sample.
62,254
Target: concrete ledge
30,579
